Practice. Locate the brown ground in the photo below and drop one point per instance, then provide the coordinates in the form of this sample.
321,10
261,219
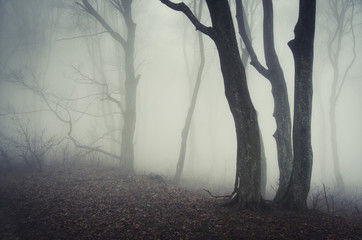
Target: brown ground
104,204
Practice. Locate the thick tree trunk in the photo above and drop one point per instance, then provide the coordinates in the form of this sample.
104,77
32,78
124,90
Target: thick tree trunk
240,12
282,117
275,75
247,182
302,48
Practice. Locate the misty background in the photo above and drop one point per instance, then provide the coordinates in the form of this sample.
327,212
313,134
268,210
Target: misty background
62,52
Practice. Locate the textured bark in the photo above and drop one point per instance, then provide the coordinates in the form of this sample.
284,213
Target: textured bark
186,129
275,75
302,48
251,9
247,181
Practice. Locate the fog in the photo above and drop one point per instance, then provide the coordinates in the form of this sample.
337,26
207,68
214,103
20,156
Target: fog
58,47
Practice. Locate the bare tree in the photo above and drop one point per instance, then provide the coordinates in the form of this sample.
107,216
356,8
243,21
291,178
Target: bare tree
124,7
342,15
274,73
31,146
302,47
190,112
64,113
247,182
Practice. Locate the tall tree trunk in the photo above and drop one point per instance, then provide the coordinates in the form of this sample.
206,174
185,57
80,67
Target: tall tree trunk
334,58
131,82
247,181
342,12
252,6
334,145
302,48
124,7
275,75
186,129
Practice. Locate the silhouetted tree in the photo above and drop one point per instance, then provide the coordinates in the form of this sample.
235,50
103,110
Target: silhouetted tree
342,13
124,7
190,112
302,47
274,73
247,182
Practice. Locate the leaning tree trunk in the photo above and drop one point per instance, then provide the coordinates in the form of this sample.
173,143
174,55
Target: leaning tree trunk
274,73
281,114
302,48
247,182
186,129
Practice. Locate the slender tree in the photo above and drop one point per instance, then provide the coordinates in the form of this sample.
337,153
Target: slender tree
274,73
302,47
247,182
124,7
342,14
190,112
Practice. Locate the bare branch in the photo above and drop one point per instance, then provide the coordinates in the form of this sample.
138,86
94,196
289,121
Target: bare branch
81,36
105,85
117,4
242,31
344,77
116,36
181,7
35,88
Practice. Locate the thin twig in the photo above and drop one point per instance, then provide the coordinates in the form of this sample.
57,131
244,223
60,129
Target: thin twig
80,36
225,196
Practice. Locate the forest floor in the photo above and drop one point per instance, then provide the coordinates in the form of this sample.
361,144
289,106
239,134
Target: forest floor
103,204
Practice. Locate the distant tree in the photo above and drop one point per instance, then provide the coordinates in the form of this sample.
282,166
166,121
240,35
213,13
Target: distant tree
340,27
274,73
124,7
190,112
5,159
95,39
247,182
302,47
28,144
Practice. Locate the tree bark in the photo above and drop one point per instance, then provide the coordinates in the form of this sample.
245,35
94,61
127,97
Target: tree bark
302,47
274,73
247,182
